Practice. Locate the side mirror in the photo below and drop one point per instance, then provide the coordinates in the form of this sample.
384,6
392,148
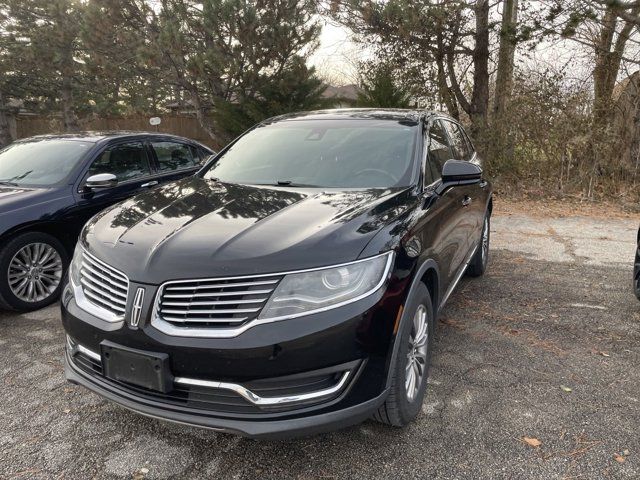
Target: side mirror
459,172
101,180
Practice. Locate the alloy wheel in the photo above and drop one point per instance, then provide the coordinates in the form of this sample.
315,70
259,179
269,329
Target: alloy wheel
417,353
35,272
485,241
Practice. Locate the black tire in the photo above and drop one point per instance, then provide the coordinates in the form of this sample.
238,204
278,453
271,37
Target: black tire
398,410
478,264
8,300
636,271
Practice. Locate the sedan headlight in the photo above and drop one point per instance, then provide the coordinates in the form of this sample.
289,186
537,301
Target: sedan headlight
320,289
74,266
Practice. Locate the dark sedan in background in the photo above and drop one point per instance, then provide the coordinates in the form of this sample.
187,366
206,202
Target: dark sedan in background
51,185
289,287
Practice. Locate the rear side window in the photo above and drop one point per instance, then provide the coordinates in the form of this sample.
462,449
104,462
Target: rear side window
126,161
459,144
173,156
439,149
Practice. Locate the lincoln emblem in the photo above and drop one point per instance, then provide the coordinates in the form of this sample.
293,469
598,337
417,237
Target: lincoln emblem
136,310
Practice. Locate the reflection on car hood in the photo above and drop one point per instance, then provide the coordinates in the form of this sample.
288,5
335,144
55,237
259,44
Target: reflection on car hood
12,197
199,228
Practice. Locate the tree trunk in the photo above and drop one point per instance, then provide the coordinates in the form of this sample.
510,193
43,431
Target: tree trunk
480,95
506,55
608,60
5,130
204,121
504,79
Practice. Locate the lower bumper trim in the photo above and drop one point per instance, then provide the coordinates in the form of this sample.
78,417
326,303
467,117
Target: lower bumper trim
267,429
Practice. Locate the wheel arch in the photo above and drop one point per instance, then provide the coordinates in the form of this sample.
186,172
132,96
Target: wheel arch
427,274
50,228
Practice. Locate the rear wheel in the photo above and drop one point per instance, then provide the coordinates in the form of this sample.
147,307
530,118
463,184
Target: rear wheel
478,264
411,370
31,269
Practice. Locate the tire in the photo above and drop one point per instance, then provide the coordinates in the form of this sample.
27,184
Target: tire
49,268
478,264
400,408
636,271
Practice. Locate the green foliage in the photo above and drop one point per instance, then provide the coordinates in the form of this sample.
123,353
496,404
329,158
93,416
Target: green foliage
380,89
296,88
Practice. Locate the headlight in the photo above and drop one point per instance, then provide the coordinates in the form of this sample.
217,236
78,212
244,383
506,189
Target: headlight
307,292
74,267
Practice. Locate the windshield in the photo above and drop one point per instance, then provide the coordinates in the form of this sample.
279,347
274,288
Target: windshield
321,153
40,162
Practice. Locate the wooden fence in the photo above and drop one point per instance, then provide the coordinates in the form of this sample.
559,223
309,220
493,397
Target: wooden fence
183,125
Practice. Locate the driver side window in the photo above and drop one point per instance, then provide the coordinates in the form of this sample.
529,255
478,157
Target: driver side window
439,150
127,161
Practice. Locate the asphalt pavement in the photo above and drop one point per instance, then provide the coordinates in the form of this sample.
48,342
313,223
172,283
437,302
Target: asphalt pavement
535,375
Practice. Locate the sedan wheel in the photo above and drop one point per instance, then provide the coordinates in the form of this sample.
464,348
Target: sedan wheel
35,272
32,266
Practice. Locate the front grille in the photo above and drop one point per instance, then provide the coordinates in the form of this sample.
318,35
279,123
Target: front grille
215,303
102,285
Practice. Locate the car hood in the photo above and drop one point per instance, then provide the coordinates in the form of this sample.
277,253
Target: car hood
12,197
197,228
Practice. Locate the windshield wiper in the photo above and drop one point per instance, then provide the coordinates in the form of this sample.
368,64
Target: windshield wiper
289,183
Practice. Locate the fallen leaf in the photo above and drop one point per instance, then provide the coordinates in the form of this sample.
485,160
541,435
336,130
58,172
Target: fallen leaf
144,470
625,453
532,442
66,410
565,389
619,458
605,354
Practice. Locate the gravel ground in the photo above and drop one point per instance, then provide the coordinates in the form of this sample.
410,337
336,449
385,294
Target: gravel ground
544,347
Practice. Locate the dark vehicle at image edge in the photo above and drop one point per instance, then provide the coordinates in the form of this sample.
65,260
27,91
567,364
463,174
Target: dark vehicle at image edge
51,185
290,286
636,269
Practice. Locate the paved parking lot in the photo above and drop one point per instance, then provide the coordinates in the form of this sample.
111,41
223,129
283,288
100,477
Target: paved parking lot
544,349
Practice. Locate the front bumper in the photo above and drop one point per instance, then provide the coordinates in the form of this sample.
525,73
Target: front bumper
268,429
357,338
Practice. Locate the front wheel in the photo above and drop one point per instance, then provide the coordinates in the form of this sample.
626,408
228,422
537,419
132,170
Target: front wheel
413,358
478,264
31,269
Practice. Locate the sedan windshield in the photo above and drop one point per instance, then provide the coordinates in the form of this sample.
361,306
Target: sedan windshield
321,153
40,162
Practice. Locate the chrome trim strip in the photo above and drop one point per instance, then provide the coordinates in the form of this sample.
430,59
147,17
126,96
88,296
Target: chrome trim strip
222,285
205,320
458,277
172,330
266,401
235,387
217,294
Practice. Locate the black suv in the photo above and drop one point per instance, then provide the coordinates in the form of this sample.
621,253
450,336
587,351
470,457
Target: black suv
51,185
289,287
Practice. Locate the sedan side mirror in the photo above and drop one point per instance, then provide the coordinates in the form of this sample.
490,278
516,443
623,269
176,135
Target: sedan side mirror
101,180
460,172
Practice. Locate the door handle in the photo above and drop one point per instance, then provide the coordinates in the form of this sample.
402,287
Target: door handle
152,183
466,201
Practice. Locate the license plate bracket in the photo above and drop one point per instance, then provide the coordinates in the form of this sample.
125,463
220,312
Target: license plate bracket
144,369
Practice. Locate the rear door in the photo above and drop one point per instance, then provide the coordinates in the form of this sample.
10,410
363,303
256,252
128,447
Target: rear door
173,159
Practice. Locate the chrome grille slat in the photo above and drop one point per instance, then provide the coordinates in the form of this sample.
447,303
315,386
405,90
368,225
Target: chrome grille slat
89,283
96,293
214,303
224,285
218,294
212,311
217,302
102,285
102,276
205,320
